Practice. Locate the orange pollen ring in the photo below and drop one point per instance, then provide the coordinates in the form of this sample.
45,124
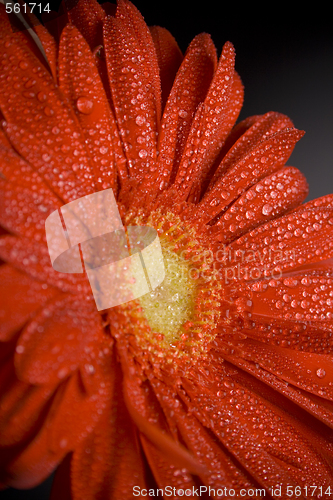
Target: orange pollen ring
178,318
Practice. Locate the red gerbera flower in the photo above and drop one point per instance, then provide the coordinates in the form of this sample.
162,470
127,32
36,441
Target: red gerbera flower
222,376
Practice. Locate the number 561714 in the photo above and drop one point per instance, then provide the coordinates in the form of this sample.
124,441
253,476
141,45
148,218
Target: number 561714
17,8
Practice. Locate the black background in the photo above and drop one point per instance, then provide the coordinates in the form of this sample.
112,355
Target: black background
284,55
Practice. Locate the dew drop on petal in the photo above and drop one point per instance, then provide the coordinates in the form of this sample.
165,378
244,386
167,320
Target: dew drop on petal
48,111
266,209
23,65
84,105
249,214
30,83
182,113
140,120
142,153
41,96
46,157
320,373
89,369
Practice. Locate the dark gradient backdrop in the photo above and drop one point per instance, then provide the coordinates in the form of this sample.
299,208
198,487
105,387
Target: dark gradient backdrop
284,55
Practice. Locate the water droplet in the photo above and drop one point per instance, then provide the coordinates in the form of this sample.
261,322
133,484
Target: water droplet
29,84
90,369
23,65
249,214
266,209
140,120
28,95
320,373
85,105
41,96
48,111
143,153
62,372
290,282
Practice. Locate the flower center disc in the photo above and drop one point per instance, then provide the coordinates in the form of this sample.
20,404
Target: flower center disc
178,318
171,304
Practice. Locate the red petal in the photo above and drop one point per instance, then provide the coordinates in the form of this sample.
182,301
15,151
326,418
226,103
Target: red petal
21,297
265,158
293,241
88,17
50,47
71,418
169,58
39,124
18,25
18,171
266,440
269,198
53,344
320,408
22,407
311,372
108,463
215,120
24,212
299,298
188,91
133,92
166,473
245,136
236,98
80,81
171,450
33,258
134,22
280,313
223,471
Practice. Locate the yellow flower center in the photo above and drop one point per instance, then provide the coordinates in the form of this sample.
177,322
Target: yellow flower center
171,304
177,319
